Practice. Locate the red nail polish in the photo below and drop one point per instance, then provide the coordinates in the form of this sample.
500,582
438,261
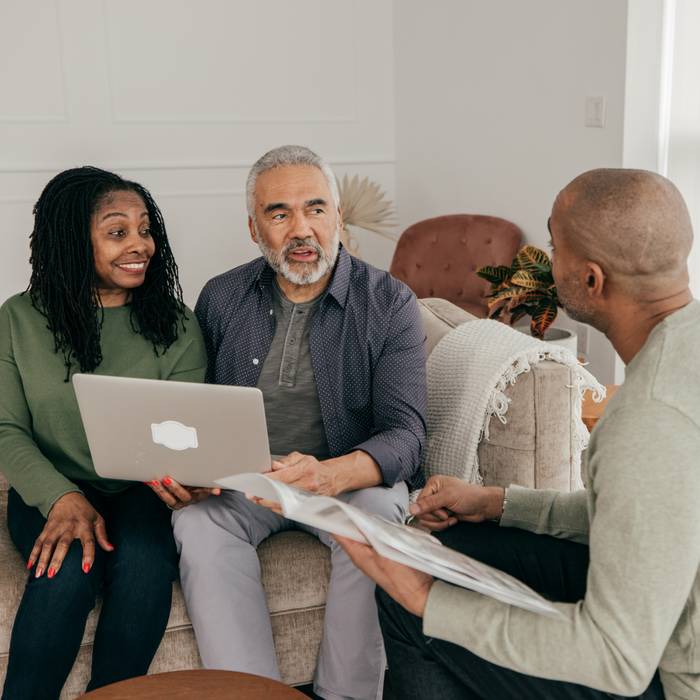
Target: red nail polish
30,564
111,545
52,572
146,482
86,567
39,572
155,484
167,481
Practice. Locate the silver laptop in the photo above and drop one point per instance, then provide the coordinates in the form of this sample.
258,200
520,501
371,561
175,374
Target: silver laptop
143,429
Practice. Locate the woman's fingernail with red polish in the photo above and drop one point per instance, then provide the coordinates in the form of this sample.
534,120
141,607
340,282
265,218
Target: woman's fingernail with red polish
30,564
146,482
86,567
39,572
52,572
155,484
111,545
167,481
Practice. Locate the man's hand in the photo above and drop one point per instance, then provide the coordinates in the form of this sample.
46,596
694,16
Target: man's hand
355,470
445,499
71,518
304,472
408,587
178,496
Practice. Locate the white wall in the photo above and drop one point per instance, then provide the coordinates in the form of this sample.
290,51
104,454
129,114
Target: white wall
184,97
452,106
642,84
490,109
684,122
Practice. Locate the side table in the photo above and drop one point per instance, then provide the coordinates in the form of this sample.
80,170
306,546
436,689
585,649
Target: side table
199,684
592,411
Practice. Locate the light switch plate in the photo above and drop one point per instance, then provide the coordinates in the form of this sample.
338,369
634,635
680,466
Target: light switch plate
595,111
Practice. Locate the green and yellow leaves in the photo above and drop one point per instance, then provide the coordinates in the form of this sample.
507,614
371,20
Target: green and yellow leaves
495,275
543,317
533,260
527,287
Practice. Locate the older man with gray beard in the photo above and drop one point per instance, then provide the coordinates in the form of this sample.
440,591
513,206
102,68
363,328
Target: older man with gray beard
338,349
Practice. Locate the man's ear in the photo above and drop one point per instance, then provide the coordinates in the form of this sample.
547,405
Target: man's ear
595,280
340,219
251,228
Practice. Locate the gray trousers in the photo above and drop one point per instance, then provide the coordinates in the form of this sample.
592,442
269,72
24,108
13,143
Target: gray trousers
220,575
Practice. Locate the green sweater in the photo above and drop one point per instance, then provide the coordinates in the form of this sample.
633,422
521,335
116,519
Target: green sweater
640,515
42,440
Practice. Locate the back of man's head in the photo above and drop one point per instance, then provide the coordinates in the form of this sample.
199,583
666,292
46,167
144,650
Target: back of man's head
633,223
288,155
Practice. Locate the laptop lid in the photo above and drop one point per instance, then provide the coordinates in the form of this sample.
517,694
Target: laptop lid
143,429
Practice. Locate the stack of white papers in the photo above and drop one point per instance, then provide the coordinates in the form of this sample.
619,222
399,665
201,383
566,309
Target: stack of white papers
401,543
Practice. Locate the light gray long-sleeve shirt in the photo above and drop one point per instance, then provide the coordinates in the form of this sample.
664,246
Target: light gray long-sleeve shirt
640,515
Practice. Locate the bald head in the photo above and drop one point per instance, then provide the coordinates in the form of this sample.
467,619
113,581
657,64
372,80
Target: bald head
633,223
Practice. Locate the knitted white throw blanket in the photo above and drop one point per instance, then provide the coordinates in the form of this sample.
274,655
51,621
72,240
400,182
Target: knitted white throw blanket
468,372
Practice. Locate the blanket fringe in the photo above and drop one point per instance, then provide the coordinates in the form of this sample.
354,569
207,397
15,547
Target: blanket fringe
469,371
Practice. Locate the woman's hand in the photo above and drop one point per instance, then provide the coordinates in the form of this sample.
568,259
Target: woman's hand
71,518
445,499
178,496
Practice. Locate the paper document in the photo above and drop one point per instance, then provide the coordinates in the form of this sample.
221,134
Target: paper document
401,543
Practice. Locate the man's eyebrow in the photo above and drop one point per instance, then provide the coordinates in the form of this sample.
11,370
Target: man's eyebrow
316,202
275,205
118,213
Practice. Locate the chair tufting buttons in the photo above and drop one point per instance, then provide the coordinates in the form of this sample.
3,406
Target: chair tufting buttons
464,240
430,292
447,266
459,293
418,265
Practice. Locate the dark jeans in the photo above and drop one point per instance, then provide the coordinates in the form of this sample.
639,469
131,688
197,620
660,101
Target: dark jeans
424,668
137,578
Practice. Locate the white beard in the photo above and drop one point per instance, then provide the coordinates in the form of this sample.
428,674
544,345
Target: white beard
298,272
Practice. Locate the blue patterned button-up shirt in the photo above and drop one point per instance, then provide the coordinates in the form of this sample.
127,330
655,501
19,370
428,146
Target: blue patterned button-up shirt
367,349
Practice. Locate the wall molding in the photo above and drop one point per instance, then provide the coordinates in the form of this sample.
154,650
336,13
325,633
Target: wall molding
182,165
18,200
63,118
197,193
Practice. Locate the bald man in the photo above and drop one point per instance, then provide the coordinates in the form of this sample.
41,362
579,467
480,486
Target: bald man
620,558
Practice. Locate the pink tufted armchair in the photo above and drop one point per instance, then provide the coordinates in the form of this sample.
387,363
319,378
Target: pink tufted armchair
439,257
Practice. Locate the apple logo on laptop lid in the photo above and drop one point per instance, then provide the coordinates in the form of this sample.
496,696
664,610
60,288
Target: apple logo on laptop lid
174,435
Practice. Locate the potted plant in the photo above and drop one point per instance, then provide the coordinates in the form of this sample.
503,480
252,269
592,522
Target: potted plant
528,288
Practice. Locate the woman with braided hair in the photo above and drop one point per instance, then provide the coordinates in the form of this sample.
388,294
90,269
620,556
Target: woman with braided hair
104,297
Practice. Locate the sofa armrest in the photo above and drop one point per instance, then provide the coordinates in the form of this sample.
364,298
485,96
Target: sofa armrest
534,448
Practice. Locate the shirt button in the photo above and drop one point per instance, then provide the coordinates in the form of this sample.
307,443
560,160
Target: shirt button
255,361
271,312
287,368
292,341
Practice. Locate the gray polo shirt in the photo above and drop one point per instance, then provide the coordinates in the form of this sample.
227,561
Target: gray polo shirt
292,408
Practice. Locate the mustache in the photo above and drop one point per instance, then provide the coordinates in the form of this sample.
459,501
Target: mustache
303,243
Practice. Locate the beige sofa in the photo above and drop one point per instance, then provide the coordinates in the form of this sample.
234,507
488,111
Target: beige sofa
533,449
